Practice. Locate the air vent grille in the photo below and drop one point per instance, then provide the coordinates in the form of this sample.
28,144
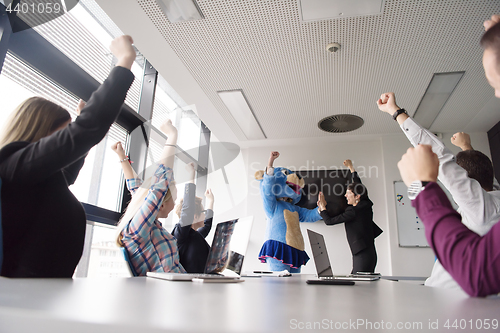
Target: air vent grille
341,123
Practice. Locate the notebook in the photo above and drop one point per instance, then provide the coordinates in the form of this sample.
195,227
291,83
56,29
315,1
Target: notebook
322,262
225,258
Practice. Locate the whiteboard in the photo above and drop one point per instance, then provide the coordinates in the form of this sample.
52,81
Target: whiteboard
411,231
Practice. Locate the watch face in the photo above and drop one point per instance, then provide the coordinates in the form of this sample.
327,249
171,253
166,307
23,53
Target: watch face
415,188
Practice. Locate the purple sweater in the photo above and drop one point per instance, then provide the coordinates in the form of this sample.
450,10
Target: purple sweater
473,261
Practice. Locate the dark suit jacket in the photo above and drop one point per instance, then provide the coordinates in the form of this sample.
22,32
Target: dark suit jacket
43,222
358,221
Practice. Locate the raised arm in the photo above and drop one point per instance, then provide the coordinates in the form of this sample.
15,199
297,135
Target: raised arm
187,212
124,161
473,261
170,148
462,140
209,206
43,158
466,192
266,187
347,216
354,175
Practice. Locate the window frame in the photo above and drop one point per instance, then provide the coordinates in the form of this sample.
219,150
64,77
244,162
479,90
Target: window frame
36,51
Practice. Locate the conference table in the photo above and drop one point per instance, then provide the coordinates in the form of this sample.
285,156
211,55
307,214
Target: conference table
259,304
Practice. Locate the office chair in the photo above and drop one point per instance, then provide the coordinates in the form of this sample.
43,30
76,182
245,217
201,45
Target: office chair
129,263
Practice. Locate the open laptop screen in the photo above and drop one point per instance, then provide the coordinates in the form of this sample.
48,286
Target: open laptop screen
220,254
229,245
321,260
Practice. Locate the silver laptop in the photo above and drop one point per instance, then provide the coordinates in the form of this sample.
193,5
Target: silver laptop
322,262
225,258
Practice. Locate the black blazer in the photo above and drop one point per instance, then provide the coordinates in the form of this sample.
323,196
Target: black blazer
358,222
43,222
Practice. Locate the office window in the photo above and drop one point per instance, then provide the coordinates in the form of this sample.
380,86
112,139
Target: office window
168,105
164,106
100,180
106,260
86,42
18,81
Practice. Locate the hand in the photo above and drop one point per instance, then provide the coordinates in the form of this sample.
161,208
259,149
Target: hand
419,163
274,156
191,171
387,103
190,167
118,149
491,22
80,106
462,140
123,50
348,163
321,201
168,128
209,195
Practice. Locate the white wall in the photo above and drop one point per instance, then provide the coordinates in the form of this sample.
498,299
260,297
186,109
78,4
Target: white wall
379,155
412,261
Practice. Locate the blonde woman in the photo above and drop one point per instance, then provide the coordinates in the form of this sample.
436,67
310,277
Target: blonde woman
150,246
41,154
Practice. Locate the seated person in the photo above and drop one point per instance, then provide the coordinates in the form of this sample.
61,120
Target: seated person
150,246
468,177
190,234
462,140
42,152
472,260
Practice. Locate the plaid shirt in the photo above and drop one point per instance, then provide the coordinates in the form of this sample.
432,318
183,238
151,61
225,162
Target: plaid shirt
150,246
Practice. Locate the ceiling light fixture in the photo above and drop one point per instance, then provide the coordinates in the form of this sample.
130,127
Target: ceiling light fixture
340,123
242,113
180,10
437,94
316,10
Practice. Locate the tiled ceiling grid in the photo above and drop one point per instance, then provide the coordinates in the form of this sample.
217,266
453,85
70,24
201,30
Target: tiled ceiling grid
290,79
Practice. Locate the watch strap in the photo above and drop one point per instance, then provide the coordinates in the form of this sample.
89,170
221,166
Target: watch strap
415,188
397,113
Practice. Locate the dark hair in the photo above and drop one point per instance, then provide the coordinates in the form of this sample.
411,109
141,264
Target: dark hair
491,39
478,167
358,189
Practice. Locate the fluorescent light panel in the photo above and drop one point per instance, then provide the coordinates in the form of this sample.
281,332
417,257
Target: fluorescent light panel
180,10
437,94
242,114
316,10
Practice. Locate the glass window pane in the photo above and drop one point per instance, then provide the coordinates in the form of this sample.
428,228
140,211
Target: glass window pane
169,105
86,42
106,259
189,133
100,180
98,183
19,82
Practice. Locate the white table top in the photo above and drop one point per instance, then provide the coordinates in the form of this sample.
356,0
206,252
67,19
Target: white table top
257,305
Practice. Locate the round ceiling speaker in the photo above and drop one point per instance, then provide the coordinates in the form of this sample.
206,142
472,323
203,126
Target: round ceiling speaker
340,123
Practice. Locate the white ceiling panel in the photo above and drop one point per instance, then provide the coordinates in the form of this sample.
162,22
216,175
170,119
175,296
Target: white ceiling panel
280,61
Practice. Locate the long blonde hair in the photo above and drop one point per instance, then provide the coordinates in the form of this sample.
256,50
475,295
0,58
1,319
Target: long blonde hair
32,120
134,206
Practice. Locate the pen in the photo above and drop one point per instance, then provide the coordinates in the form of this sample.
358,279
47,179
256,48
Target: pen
262,272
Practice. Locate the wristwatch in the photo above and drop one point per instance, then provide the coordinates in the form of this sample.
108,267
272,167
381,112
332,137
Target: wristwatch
415,188
397,113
